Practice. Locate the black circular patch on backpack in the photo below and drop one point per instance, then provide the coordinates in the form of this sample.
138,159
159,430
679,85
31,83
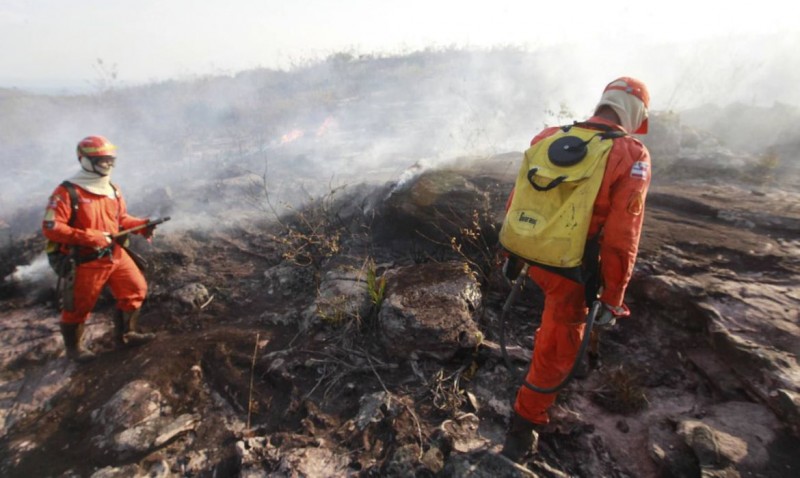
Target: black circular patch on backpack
567,151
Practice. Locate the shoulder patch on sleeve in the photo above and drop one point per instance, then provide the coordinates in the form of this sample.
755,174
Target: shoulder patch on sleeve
640,170
636,203
53,202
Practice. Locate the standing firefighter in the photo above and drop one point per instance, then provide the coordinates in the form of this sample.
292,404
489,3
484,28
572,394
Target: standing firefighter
83,214
579,197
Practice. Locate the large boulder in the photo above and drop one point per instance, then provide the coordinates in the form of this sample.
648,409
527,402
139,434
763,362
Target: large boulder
428,310
734,435
133,421
436,204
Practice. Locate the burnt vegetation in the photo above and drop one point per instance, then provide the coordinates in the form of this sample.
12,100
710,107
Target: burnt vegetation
288,372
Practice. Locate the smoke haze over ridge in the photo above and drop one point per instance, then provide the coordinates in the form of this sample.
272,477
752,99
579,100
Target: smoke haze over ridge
355,118
56,43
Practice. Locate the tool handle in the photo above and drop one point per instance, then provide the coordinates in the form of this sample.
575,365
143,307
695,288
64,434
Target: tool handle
154,222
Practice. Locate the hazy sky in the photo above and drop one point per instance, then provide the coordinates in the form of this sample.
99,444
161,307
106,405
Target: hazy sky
55,43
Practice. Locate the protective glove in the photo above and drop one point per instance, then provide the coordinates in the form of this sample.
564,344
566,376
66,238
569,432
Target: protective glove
149,232
98,239
609,314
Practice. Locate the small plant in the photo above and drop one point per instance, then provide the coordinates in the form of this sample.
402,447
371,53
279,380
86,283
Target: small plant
307,244
376,287
764,169
622,391
474,247
334,311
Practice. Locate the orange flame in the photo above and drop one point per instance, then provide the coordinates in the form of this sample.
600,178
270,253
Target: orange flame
291,136
325,126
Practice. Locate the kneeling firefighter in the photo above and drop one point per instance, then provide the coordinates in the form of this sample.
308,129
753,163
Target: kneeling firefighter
578,199
81,220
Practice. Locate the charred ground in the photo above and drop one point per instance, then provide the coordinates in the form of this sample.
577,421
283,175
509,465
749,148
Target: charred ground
253,363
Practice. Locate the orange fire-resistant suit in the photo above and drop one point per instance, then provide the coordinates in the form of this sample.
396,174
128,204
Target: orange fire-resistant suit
618,215
96,215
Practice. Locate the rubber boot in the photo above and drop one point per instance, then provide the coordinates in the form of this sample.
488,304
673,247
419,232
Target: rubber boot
521,439
73,343
119,329
583,368
130,335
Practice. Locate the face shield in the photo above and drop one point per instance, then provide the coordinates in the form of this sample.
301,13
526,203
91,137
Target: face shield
100,165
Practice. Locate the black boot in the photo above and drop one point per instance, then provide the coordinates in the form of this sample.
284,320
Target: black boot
73,343
126,330
119,329
521,439
583,367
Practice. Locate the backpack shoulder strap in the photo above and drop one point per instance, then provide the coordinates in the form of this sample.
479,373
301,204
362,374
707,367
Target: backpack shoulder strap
73,199
117,196
608,131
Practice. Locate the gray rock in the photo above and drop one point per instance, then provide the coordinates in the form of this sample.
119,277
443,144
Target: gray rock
153,433
182,424
673,458
428,310
343,292
312,462
403,462
371,410
136,402
285,280
737,433
436,203
133,420
193,295
251,452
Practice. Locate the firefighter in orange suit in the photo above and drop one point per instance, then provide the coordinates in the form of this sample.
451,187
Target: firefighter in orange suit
616,220
86,231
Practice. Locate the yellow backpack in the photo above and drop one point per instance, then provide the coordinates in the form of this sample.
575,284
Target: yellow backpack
548,219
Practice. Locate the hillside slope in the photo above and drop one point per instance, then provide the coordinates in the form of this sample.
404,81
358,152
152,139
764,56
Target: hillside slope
272,360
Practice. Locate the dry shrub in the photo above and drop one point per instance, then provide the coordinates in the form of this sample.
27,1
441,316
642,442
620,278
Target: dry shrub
622,391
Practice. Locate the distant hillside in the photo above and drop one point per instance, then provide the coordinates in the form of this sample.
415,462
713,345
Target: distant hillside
747,127
341,116
345,119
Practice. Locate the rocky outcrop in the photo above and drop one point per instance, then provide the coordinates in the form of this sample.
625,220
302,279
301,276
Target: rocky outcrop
701,381
739,291
133,421
435,204
428,310
343,292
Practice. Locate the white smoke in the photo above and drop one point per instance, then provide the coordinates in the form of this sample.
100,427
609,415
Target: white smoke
36,276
